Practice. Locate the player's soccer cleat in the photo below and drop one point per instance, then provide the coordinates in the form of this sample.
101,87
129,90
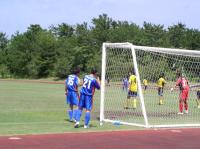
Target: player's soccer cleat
86,126
76,125
186,112
73,120
180,113
125,107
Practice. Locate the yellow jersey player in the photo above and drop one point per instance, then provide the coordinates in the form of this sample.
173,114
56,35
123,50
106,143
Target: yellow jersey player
161,83
132,92
145,83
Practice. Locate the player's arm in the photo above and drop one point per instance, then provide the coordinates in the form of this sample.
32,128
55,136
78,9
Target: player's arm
176,85
80,82
66,91
97,83
163,83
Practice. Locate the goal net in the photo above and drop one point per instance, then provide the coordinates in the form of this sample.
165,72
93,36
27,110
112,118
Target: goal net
150,63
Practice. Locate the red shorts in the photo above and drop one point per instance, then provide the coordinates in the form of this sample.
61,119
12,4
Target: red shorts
184,94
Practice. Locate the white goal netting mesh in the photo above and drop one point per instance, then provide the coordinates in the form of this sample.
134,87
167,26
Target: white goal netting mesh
151,63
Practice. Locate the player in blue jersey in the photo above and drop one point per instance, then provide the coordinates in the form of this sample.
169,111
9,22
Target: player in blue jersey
71,92
90,83
125,83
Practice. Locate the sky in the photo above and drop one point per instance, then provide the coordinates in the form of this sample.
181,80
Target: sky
17,15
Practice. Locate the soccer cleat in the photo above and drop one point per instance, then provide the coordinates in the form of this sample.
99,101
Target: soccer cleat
76,125
125,107
180,113
86,126
186,112
72,120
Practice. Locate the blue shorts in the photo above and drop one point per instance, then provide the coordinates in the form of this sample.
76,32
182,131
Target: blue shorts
132,94
85,102
72,98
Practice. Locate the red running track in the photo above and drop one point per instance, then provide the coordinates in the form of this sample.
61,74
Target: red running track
140,139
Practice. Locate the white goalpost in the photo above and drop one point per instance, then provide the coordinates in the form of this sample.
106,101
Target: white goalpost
119,59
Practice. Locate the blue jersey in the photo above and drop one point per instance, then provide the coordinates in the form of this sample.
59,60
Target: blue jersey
125,81
72,83
89,85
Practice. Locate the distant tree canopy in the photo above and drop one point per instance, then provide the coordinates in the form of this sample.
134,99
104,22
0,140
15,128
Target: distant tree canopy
54,52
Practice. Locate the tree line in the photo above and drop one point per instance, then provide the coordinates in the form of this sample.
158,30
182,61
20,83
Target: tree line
54,52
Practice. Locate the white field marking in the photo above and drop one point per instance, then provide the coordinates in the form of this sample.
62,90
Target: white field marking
14,138
33,123
176,131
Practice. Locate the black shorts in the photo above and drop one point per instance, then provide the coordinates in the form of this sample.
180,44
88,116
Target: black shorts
160,91
198,94
132,94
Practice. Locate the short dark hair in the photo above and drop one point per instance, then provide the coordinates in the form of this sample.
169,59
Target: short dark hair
76,70
132,71
93,71
178,72
162,74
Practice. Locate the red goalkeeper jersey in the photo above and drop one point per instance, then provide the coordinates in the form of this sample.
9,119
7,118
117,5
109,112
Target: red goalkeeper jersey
182,83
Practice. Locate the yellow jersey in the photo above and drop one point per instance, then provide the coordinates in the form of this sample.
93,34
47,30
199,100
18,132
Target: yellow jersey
145,82
161,82
132,83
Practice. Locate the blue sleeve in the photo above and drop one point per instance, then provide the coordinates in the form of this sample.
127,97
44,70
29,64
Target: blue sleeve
76,81
97,85
66,81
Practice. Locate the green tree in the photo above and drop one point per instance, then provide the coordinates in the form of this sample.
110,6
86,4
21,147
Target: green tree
3,53
176,35
101,28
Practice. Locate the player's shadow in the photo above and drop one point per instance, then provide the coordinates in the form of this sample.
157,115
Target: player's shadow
68,120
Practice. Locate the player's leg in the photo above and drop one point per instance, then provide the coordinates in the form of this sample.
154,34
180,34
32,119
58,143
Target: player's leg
145,87
70,112
198,102
126,101
160,94
81,105
75,105
88,106
180,104
70,103
186,106
198,99
134,100
185,97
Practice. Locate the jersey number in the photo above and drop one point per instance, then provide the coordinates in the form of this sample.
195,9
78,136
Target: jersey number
87,83
70,81
184,82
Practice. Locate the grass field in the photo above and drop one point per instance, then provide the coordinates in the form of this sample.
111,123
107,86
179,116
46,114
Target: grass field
157,114
30,107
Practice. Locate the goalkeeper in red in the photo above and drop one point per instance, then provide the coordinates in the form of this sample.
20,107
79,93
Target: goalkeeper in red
182,83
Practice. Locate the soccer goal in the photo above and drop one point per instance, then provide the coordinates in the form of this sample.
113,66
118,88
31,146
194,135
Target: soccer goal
118,59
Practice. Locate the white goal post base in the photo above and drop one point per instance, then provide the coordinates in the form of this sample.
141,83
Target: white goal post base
118,59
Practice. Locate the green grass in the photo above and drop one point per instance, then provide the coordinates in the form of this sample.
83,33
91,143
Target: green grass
28,107
157,114
38,108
